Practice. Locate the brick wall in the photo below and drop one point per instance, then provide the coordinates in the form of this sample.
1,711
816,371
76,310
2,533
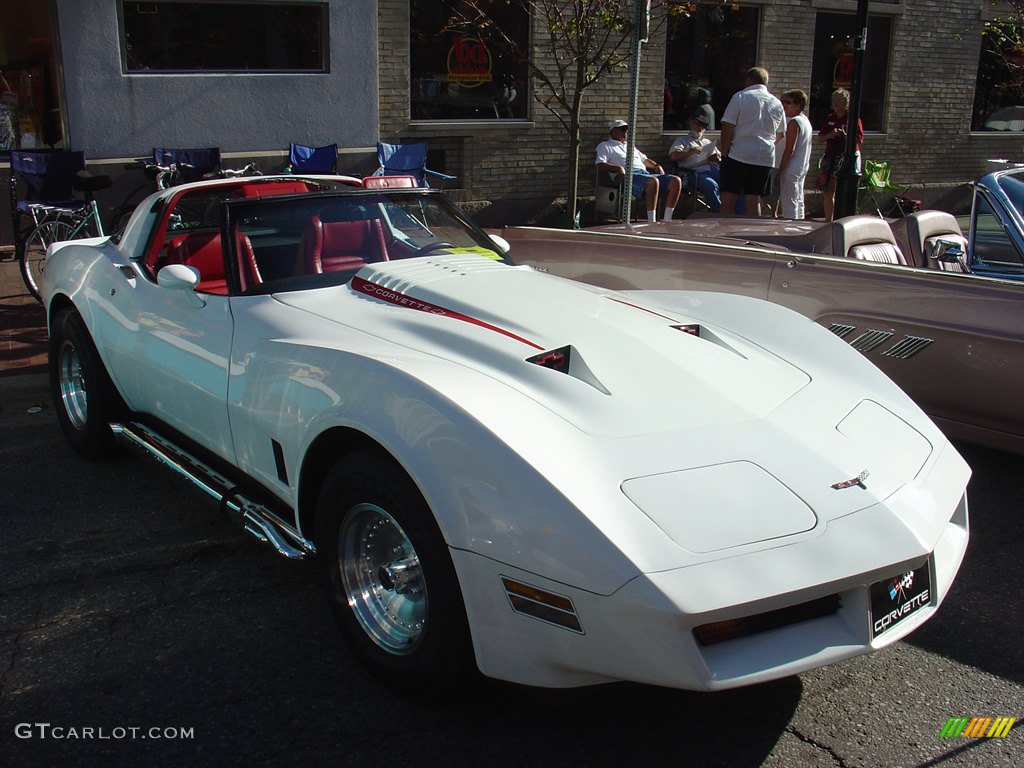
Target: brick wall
928,105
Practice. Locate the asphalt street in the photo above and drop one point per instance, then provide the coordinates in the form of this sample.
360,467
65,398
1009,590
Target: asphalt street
139,628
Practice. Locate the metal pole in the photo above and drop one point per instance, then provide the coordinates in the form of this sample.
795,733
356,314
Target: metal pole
639,37
848,177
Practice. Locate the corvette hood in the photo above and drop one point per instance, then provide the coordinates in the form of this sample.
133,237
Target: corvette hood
678,402
631,368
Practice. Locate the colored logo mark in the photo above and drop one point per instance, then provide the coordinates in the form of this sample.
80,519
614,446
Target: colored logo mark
977,727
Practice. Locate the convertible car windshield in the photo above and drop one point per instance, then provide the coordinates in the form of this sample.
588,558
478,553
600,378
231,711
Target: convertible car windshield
1013,186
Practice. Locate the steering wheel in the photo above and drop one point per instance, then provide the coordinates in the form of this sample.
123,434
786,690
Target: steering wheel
430,247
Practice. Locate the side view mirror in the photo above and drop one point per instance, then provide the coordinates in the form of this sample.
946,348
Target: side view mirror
947,252
178,277
502,243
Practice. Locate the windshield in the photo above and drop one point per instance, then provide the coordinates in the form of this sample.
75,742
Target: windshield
1013,185
302,242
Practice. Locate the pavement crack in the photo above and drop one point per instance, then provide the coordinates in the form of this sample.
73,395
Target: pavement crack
817,745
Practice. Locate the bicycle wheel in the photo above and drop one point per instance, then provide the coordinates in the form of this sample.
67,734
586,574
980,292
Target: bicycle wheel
33,257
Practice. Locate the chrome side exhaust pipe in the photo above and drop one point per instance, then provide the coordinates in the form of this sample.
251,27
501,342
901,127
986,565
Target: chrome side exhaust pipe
255,519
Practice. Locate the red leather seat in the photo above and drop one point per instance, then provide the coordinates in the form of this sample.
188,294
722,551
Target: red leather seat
336,245
203,251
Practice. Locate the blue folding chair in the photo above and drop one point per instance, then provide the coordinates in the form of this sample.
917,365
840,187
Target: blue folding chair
193,164
407,160
303,159
49,178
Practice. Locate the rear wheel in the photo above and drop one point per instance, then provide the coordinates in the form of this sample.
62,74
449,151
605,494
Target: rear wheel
83,394
33,257
390,578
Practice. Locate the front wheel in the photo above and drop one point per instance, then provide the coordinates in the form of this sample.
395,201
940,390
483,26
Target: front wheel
84,396
33,257
390,578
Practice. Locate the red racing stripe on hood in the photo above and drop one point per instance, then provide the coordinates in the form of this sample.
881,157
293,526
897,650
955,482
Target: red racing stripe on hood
366,288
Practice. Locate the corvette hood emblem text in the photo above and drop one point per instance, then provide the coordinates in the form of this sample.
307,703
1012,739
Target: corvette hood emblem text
858,481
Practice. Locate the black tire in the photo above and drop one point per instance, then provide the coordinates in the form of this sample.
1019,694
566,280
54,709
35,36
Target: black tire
33,257
390,579
83,394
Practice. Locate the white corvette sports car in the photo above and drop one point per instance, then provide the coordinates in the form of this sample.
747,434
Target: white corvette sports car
501,470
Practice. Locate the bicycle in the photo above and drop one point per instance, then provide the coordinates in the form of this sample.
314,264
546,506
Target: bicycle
55,224
172,174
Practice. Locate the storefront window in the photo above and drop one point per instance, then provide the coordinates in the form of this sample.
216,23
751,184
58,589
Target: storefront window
832,66
999,91
173,36
466,59
30,116
706,57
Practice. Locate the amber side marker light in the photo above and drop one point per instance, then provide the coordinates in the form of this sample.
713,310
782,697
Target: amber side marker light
542,605
732,629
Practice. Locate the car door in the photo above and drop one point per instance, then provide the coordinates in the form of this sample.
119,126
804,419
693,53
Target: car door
169,344
993,247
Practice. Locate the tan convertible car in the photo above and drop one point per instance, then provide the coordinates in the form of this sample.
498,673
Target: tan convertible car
902,292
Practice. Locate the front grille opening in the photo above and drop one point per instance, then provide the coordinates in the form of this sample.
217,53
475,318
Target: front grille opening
733,629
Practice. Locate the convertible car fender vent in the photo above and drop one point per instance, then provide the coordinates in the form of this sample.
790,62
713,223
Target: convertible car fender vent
691,328
908,347
870,339
842,330
733,629
569,361
542,605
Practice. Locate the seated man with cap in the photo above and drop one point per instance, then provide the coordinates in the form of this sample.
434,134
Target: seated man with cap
649,178
698,156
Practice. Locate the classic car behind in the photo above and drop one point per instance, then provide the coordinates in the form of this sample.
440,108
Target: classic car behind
896,291
500,470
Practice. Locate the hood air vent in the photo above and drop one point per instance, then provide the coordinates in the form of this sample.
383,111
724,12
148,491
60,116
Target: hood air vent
569,361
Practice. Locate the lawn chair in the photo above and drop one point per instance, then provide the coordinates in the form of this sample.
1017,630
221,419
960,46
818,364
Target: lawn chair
312,160
608,198
193,164
49,178
407,160
876,181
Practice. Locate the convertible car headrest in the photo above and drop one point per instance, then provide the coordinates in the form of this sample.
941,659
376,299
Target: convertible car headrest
919,233
330,246
865,237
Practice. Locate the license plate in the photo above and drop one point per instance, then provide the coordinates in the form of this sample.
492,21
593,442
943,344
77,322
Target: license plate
896,599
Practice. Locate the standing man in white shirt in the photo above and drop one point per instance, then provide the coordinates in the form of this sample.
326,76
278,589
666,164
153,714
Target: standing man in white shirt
648,176
751,124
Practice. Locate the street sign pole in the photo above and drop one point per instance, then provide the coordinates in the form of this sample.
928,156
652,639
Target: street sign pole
848,177
641,23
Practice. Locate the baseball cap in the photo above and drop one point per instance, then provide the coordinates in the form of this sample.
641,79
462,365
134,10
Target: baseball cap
703,114
617,124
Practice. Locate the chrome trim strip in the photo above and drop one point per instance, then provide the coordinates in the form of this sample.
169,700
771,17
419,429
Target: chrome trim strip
870,339
842,330
908,347
255,519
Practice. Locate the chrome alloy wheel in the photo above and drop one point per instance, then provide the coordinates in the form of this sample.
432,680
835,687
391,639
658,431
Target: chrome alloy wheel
72,385
381,577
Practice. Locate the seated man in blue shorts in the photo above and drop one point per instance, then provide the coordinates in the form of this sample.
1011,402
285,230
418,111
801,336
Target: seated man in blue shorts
649,178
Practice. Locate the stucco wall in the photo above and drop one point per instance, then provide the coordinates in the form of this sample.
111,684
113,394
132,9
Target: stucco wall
111,114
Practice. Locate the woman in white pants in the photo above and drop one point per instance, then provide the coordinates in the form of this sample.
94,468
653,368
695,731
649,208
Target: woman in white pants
796,156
